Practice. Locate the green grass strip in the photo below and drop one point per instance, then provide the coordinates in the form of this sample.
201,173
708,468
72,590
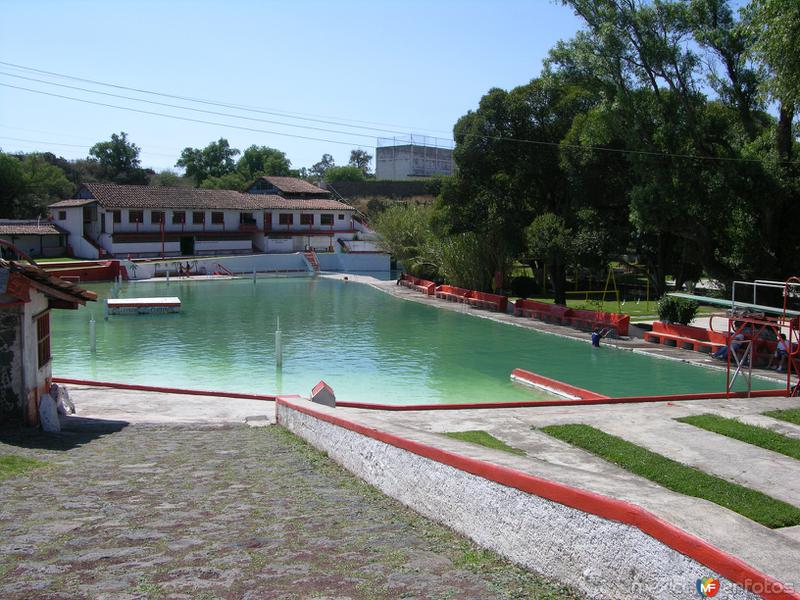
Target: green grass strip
790,416
483,438
758,436
678,477
12,465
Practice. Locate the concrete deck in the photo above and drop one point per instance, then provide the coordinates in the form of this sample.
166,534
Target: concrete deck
774,552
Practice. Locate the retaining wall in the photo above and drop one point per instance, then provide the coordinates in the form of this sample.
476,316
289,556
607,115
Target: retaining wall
601,546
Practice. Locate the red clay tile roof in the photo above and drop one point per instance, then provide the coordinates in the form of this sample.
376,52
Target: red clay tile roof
111,196
48,281
293,185
12,227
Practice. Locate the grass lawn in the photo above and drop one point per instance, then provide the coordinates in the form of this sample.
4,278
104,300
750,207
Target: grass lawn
678,477
641,310
64,259
758,436
12,465
790,416
483,438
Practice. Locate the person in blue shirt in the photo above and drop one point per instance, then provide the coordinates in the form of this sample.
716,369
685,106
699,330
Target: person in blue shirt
597,335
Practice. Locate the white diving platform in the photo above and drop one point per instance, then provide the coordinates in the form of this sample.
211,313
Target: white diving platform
143,306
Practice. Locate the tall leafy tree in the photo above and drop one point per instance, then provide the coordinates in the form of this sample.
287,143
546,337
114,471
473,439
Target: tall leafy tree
28,184
215,160
776,26
320,168
118,160
263,160
361,160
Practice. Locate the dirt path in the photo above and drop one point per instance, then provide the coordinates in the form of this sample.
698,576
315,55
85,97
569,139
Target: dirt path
224,512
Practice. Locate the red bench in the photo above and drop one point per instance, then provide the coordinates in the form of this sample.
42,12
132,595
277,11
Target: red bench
590,319
452,293
561,315
489,301
686,337
415,283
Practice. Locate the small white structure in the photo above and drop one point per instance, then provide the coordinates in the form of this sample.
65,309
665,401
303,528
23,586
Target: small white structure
142,306
27,294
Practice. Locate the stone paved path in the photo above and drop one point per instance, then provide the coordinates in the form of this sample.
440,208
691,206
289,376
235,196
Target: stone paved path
226,512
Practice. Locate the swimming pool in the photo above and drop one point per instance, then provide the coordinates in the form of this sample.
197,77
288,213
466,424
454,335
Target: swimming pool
368,345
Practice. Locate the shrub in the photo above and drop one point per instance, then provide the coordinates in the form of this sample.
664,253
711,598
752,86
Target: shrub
677,310
523,286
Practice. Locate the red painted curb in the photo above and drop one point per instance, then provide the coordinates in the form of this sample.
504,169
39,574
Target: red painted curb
553,384
695,548
164,390
543,403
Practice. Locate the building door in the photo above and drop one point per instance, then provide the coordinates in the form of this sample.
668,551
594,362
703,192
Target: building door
187,245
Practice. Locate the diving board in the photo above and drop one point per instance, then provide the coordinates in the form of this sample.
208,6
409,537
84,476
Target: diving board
721,302
134,306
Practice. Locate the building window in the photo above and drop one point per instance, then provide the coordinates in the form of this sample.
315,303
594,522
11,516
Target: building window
198,218
306,219
341,217
217,218
326,219
43,337
156,216
62,215
117,216
135,216
285,218
246,219
178,217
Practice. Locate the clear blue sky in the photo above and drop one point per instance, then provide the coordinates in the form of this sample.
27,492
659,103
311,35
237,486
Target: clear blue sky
415,65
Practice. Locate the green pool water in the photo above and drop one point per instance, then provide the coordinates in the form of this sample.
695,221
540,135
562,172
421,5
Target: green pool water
369,346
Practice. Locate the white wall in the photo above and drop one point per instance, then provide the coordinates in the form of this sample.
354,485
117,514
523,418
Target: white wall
354,263
34,377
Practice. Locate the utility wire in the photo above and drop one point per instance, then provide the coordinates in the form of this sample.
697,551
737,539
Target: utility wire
559,145
179,118
189,108
292,115
145,152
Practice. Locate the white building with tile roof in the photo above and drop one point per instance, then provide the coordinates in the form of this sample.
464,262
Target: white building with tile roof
277,215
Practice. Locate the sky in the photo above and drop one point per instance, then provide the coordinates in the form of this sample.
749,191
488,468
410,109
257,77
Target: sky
360,70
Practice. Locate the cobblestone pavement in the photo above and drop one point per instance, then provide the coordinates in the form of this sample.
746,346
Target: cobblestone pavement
225,512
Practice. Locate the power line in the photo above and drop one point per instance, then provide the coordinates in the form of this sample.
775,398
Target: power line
292,115
192,109
559,145
188,119
3,137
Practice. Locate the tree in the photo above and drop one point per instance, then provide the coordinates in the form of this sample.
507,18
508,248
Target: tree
12,185
28,185
215,160
361,160
167,178
230,181
118,160
776,25
348,173
318,169
263,160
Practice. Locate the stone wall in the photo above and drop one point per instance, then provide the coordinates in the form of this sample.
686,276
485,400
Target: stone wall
10,369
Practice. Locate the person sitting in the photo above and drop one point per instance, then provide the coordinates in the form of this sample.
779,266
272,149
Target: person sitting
735,345
780,354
